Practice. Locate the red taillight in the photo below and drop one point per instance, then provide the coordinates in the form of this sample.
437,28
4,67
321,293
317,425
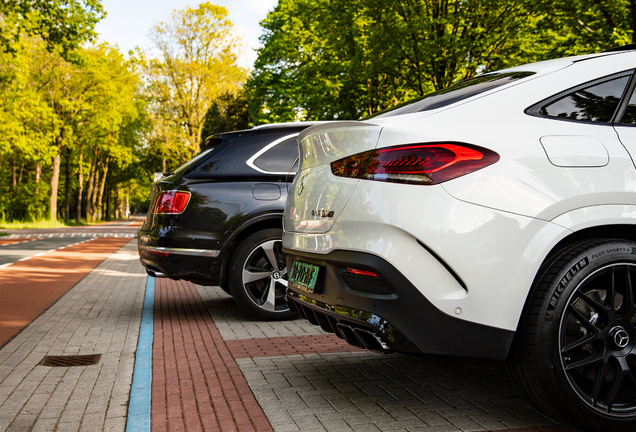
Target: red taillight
171,202
422,164
361,272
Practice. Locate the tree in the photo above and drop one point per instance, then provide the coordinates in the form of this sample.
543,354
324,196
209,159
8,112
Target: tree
572,27
227,113
335,59
196,64
62,24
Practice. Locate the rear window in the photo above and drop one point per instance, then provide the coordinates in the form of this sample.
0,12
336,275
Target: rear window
211,143
596,103
630,113
455,93
277,159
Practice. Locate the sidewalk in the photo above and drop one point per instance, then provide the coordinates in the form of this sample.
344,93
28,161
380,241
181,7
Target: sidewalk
100,315
214,368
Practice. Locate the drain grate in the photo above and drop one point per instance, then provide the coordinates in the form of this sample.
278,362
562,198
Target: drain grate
66,361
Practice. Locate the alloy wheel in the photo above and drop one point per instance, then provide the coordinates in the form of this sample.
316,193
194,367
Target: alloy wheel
598,340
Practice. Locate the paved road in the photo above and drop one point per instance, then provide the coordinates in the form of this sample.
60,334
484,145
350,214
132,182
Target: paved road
24,244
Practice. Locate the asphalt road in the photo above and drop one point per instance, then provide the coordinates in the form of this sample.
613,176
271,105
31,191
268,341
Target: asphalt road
23,244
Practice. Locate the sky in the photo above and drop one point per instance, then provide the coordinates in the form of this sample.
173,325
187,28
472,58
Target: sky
129,21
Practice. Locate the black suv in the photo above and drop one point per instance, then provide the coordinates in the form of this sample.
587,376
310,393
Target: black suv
217,220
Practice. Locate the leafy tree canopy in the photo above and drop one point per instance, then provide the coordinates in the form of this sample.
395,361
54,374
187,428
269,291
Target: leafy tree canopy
62,24
335,59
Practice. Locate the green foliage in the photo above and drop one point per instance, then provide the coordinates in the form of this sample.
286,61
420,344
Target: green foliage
336,59
196,63
62,24
227,113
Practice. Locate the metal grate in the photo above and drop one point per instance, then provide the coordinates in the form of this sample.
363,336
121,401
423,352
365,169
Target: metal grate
66,361
367,284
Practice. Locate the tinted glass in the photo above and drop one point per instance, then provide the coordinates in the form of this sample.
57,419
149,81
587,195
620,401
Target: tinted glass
192,162
596,103
280,157
630,114
455,93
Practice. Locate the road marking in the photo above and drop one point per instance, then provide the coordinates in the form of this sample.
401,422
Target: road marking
44,253
139,407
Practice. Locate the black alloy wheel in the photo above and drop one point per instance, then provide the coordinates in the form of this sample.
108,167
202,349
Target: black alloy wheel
574,353
597,340
258,276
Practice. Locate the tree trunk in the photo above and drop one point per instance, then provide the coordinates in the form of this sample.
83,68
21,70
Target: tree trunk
14,172
38,174
94,195
55,178
89,192
100,195
80,185
108,201
117,203
67,188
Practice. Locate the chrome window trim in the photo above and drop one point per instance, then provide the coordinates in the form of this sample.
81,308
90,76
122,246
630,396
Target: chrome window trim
250,161
182,251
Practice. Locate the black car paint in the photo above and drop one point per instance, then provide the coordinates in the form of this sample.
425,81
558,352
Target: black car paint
229,201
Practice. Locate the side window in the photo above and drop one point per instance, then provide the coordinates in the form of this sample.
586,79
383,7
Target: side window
596,103
279,158
630,113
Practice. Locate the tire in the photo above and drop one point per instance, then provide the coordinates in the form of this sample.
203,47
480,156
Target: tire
258,276
574,353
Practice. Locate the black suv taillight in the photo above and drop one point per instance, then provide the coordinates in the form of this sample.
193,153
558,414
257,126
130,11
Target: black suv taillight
422,164
171,202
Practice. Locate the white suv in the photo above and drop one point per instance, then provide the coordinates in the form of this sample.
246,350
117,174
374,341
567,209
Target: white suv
494,219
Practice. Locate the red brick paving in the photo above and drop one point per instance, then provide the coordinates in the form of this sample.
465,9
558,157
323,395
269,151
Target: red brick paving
197,385
291,345
28,288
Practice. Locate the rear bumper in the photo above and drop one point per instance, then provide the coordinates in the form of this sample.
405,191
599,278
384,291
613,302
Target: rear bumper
389,314
201,266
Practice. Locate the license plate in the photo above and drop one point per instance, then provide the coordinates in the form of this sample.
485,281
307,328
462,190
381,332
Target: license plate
304,276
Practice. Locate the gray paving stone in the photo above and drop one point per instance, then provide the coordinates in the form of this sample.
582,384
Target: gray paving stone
233,323
101,314
366,392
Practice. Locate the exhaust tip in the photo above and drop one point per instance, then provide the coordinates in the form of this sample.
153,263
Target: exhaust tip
372,341
155,274
349,335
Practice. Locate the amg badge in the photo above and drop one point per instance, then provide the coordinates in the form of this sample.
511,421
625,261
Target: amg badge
322,213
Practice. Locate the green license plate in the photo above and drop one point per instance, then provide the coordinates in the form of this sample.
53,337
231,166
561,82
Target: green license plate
304,276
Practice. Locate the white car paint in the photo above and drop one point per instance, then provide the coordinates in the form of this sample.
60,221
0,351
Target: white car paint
493,227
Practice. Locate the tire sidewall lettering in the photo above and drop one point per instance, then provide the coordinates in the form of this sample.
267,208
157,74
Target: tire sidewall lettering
576,273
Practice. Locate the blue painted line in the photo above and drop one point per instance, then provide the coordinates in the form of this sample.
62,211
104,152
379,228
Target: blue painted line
139,407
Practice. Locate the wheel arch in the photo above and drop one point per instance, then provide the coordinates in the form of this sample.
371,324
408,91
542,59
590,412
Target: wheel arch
240,233
623,231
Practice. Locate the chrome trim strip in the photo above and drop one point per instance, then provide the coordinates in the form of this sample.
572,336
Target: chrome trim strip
181,251
250,161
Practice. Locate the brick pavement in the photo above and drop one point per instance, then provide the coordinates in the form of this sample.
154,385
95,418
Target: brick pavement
101,314
215,368
306,380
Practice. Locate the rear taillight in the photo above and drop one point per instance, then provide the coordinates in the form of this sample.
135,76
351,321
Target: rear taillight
361,272
423,164
171,202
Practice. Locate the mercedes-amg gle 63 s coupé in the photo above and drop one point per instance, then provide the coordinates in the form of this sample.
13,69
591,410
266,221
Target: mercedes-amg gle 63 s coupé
494,219
217,219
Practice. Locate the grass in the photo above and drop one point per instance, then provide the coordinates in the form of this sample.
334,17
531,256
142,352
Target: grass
41,224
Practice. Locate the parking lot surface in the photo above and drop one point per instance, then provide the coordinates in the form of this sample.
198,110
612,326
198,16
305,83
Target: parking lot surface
214,368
